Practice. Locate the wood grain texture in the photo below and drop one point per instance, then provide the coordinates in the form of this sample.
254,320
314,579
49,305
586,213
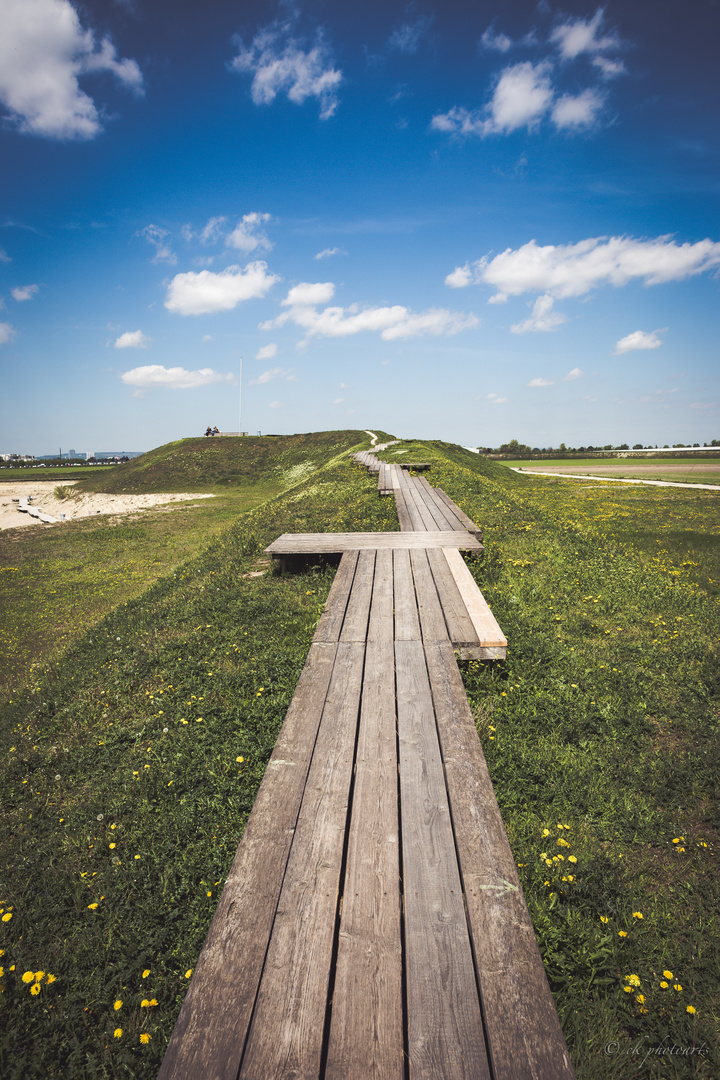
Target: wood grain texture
407,623
330,622
355,625
461,630
318,543
432,620
524,1034
286,1032
467,522
210,1032
485,623
382,621
366,1031
445,1033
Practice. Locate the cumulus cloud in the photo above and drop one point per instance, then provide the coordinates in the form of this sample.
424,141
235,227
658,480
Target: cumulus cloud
391,323
7,333
407,37
576,36
460,277
542,318
133,339
497,400
279,64
176,378
639,340
160,240
608,68
501,42
44,50
209,234
326,253
541,382
205,292
4,257
565,270
273,373
578,112
522,96
267,352
24,292
576,373
248,234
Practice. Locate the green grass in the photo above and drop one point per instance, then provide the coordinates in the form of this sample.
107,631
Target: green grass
657,469
17,474
604,720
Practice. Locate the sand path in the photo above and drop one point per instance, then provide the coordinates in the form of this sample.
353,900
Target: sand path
82,506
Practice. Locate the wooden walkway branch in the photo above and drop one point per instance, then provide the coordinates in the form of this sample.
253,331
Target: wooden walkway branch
372,926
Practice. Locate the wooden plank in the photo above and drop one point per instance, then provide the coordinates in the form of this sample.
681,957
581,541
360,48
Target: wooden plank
485,623
366,1031
407,623
524,1034
328,543
404,518
381,625
461,630
210,1032
333,616
421,517
355,626
417,524
444,507
443,520
467,522
445,1033
432,620
287,1029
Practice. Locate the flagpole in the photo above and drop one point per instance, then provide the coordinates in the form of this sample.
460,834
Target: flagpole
240,401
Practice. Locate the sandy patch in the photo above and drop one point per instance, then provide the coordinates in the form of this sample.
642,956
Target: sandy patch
83,506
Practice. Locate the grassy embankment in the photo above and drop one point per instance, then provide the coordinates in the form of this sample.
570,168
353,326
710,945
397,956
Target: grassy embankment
152,732
56,581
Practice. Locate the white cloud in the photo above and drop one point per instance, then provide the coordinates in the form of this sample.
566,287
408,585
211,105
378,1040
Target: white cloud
576,373
278,64
391,323
248,234
521,98
4,257
542,318
639,340
578,36
276,405
24,292
273,373
205,292
207,337
133,339
565,270
7,333
209,234
577,112
326,253
608,68
501,42
497,400
177,378
44,50
159,238
267,352
541,382
406,38
460,277
338,401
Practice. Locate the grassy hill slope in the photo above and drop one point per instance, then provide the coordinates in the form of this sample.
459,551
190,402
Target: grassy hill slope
201,464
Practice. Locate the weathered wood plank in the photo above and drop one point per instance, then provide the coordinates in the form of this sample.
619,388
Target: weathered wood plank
382,623
404,518
366,1031
328,543
333,616
417,522
286,1033
469,524
461,630
407,623
524,1034
413,493
447,508
355,625
485,623
445,1033
210,1032
423,492
432,620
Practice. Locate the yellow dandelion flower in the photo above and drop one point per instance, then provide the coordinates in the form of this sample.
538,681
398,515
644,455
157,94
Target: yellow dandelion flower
117,1005
663,985
677,986
39,975
622,933
668,974
240,759
642,1009
210,893
2,972
152,1002
604,919
145,973
28,976
51,979
144,1004
35,989
188,973
676,840
637,914
92,906
634,980
571,858
117,1033
546,832
7,917
640,998
145,1038
628,989
690,1009
111,846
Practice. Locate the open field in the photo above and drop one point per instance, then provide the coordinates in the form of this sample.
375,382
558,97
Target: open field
129,763
692,470
59,474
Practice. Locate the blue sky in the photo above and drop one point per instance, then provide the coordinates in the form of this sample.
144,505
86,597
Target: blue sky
475,222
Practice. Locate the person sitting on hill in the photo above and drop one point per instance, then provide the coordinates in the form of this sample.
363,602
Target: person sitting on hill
216,430
208,431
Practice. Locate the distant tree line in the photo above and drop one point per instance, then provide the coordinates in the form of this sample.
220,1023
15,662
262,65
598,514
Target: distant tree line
515,449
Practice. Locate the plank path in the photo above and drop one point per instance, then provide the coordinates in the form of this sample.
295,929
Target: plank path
372,924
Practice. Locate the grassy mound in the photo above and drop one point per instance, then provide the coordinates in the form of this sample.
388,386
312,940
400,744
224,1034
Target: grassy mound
209,464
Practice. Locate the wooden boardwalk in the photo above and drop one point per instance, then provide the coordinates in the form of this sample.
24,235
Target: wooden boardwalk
372,924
